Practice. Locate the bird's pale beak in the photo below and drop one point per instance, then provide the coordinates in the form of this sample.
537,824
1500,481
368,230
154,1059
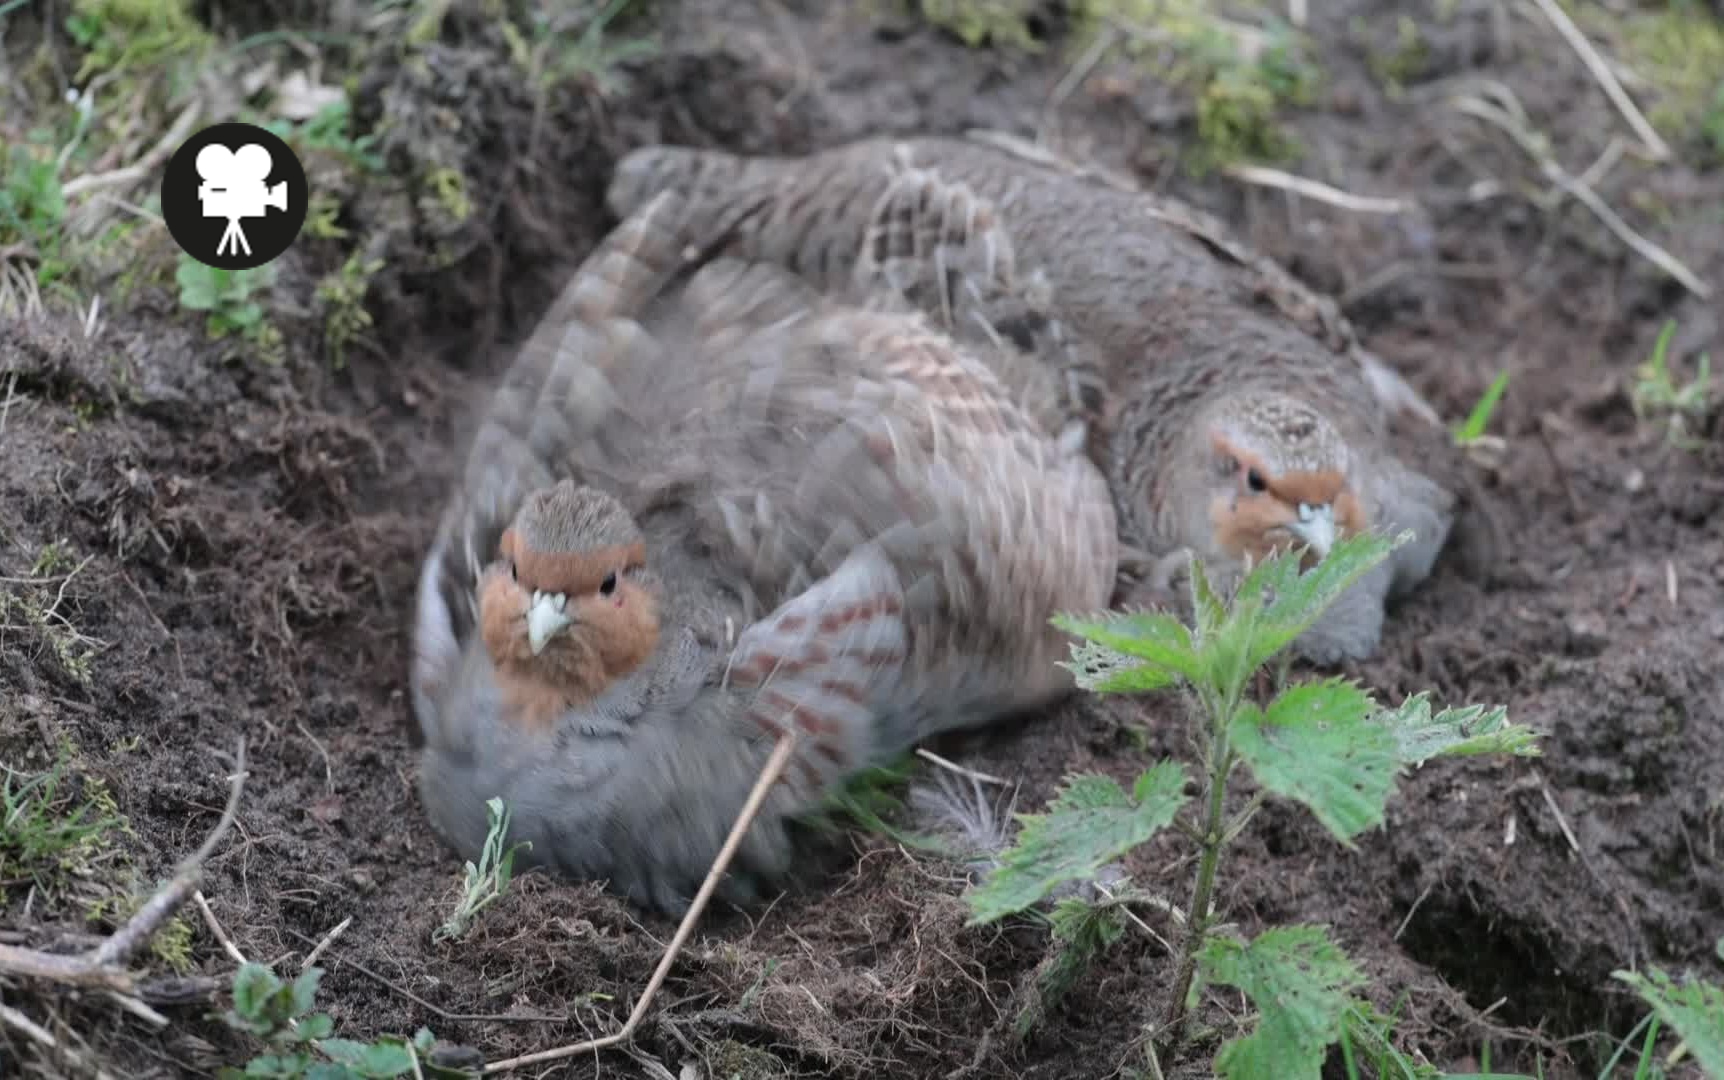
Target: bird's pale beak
1316,527
546,614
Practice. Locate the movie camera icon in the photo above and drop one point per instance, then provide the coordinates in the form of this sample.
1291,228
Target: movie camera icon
233,188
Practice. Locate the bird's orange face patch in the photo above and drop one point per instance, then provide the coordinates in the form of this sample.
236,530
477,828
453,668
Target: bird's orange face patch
1254,519
612,630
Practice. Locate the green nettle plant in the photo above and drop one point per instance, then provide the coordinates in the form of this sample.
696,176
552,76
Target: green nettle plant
300,1044
1690,1007
1324,743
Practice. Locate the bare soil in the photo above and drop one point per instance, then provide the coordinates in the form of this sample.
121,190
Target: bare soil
255,531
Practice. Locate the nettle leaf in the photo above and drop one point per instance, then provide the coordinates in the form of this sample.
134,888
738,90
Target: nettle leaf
253,984
1157,640
1692,1008
1301,984
1475,729
1091,822
345,1051
1224,633
278,1065
305,990
1292,601
1101,670
383,1060
315,1026
1317,744
1206,603
197,285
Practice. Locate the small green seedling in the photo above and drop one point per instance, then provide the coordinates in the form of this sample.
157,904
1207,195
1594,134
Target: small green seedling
228,295
1655,391
300,1044
1472,430
1325,744
487,882
330,131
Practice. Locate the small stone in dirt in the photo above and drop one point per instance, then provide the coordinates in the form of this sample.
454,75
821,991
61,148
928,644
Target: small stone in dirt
1587,633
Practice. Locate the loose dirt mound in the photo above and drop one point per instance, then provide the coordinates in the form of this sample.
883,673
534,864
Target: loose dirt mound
252,535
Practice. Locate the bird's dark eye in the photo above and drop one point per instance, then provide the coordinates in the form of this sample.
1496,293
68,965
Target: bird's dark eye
609,584
1254,480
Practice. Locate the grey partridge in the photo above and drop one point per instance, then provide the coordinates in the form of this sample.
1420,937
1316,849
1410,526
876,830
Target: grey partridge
1241,416
704,506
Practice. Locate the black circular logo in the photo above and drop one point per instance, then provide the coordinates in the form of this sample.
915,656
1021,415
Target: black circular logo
234,196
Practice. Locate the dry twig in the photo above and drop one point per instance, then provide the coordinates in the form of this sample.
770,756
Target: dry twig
16,1020
961,770
1505,114
328,939
103,967
1607,79
182,128
215,927
1317,190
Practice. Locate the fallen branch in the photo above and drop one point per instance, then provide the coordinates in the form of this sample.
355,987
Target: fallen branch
769,775
144,166
103,967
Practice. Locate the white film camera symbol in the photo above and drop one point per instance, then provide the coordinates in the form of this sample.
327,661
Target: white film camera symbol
233,188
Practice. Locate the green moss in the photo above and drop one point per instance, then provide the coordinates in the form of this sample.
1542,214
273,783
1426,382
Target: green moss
322,216
732,1060
127,35
342,293
40,603
1236,122
447,190
1001,23
1240,78
1407,62
172,943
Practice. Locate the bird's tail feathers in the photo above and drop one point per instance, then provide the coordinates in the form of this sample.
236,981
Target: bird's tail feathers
934,243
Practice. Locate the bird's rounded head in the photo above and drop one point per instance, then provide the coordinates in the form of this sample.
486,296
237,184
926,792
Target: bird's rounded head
1283,479
568,607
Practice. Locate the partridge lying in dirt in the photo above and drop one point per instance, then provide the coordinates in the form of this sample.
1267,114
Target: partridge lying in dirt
704,509
1241,414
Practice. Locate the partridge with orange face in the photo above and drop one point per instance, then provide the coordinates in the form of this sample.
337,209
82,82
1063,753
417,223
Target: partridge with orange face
703,510
1241,415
